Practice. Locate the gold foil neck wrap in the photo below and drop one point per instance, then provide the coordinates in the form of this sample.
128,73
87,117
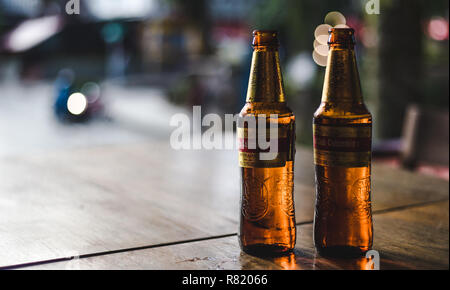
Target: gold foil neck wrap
266,81
341,82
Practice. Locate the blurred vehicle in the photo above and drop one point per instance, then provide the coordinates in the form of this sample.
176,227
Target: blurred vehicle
76,103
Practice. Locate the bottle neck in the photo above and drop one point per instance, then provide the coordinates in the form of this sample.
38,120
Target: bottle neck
266,82
341,83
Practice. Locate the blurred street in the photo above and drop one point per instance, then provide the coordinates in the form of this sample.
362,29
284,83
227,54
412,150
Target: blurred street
28,125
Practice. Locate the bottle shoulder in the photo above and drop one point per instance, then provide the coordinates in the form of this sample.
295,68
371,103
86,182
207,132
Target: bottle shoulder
265,108
343,111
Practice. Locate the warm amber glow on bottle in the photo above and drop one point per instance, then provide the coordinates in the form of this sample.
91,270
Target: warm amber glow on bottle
267,222
342,155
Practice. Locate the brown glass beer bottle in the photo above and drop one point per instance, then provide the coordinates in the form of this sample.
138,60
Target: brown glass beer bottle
342,128
267,218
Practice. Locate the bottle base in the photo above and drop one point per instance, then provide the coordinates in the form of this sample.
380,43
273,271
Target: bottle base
263,250
342,251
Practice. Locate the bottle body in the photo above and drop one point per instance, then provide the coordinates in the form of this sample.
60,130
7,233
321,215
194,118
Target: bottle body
267,215
343,217
342,128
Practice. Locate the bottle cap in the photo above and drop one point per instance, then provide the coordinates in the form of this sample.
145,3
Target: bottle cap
342,37
265,38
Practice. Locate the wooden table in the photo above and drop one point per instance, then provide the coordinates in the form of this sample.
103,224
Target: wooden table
146,206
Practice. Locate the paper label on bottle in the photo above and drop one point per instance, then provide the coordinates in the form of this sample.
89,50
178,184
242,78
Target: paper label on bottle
251,155
348,146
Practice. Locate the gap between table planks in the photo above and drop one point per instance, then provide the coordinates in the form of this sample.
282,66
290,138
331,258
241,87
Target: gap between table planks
59,204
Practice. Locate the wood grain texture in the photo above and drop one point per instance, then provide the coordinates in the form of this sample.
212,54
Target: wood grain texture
413,238
106,198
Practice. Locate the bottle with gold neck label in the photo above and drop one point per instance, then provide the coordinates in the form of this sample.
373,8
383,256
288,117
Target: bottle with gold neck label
342,128
267,219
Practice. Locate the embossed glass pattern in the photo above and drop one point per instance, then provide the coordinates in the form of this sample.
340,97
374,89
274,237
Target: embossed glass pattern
342,156
267,222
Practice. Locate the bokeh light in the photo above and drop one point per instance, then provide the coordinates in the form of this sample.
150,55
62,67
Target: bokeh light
332,19
341,26
320,59
91,91
321,33
335,18
437,29
301,70
77,103
369,36
321,49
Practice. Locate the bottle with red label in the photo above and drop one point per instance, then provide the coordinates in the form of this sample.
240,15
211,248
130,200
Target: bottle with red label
266,133
342,128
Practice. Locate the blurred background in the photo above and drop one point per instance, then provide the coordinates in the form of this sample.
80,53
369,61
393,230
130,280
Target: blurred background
117,71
